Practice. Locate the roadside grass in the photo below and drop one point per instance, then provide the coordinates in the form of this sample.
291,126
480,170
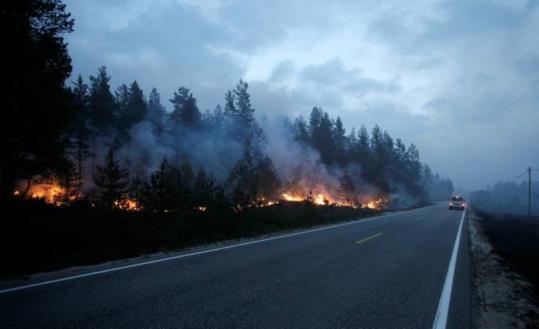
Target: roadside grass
516,239
36,237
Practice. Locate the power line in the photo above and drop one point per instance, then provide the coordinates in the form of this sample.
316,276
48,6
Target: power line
521,174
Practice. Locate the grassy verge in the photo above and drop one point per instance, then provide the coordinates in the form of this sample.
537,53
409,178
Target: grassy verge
36,237
516,239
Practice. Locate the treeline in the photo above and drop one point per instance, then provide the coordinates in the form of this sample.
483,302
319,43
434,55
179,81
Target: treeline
175,185
385,163
103,118
507,198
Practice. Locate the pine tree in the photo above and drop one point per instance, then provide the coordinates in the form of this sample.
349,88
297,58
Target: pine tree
230,107
348,189
69,180
164,188
300,131
243,181
214,120
204,188
80,132
339,142
169,188
137,109
111,180
322,135
245,127
185,110
102,102
156,111
35,111
362,150
267,179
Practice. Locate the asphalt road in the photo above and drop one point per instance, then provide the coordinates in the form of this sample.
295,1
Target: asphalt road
385,272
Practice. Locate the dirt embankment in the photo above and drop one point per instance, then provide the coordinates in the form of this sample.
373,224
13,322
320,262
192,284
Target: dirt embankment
503,298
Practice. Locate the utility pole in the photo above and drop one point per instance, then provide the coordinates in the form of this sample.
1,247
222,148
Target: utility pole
529,191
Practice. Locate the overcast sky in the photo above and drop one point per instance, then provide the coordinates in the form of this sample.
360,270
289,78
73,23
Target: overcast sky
458,78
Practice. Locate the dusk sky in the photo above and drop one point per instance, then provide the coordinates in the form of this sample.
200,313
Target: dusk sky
460,79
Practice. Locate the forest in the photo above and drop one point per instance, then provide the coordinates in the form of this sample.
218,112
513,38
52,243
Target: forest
124,150
83,159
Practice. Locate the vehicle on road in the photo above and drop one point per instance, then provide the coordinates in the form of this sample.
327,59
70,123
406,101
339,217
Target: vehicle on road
457,202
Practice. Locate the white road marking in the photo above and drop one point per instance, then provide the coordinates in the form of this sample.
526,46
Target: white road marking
440,321
166,259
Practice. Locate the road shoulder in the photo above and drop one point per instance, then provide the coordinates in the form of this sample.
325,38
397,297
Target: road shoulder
500,294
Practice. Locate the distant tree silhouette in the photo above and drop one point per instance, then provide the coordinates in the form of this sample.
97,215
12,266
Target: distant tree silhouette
137,108
102,102
339,142
243,125
185,109
321,129
387,165
156,111
300,131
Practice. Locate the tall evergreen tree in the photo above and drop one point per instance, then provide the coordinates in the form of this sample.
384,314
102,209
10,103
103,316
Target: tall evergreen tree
137,108
362,150
339,142
230,106
321,129
121,96
204,189
185,109
301,132
156,111
242,179
245,128
164,188
69,180
33,89
102,103
111,180
80,131
267,179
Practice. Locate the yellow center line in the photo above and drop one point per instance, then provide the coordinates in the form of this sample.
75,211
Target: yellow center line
369,238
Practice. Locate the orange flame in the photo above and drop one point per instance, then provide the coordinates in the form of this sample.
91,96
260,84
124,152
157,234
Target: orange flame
324,198
127,205
292,197
52,193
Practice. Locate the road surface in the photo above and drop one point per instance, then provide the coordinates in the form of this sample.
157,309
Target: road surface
385,272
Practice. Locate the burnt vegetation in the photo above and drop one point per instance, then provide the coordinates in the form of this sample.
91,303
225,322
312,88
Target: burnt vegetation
516,239
90,173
